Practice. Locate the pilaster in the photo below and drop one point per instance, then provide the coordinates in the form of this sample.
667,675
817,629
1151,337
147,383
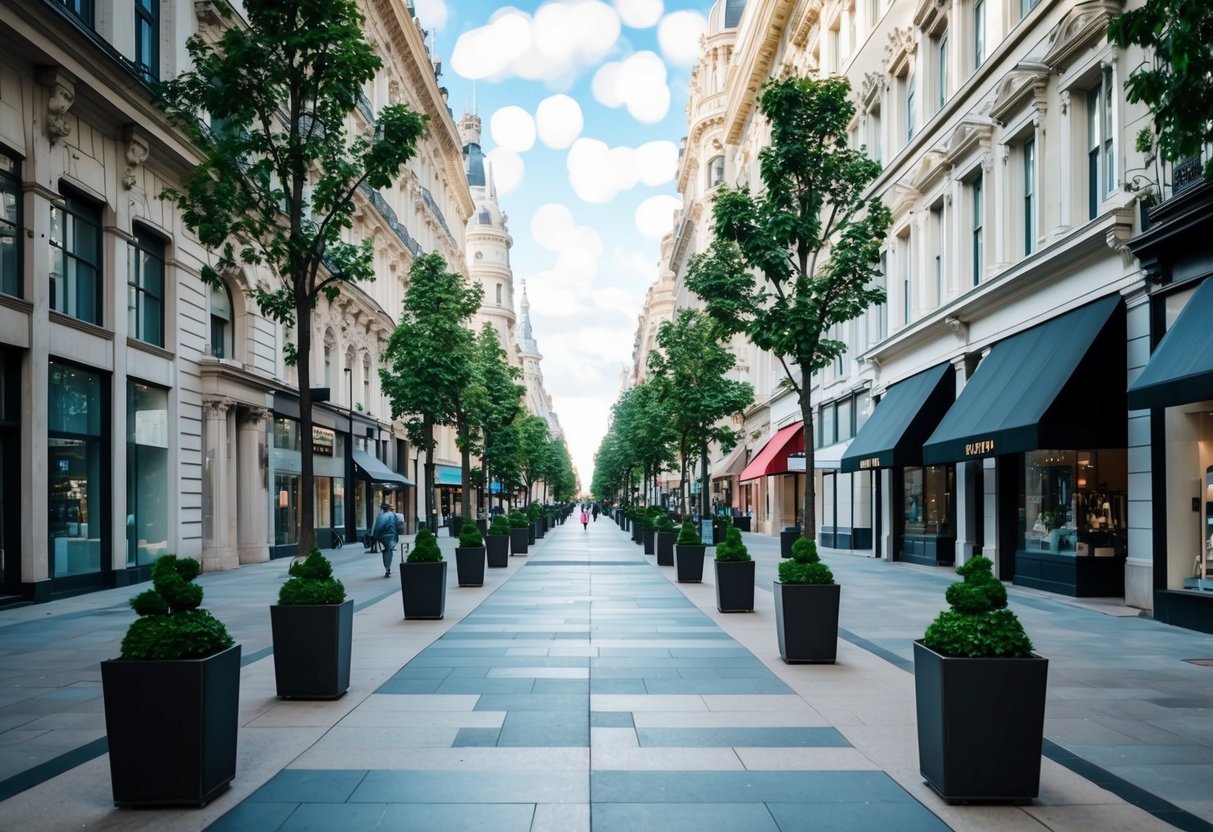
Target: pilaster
252,497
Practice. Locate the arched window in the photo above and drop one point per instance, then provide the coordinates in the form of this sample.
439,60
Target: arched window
222,323
484,217
715,171
499,294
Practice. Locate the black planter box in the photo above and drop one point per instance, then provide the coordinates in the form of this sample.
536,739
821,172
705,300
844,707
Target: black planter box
637,532
537,529
497,550
312,649
980,725
786,538
469,565
646,536
806,620
664,546
423,589
688,563
742,523
734,585
171,727
482,524
455,524
520,541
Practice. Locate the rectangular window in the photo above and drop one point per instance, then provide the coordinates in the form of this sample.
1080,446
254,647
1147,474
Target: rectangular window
941,56
937,223
221,323
147,39
1026,6
976,191
906,257
874,141
979,32
1101,156
910,106
846,426
1029,196
78,470
10,226
882,311
76,260
83,9
145,289
827,425
146,473
928,496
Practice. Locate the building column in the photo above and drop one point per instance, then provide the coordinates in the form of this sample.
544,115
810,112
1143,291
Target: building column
1139,565
252,487
218,553
1065,171
968,508
886,510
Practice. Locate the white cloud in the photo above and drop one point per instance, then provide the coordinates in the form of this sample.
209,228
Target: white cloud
637,82
431,13
599,173
639,267
679,33
561,38
655,216
559,120
507,169
513,128
639,14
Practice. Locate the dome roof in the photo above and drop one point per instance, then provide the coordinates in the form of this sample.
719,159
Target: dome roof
487,212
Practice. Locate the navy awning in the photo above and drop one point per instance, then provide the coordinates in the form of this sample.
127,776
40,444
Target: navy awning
1057,385
1181,369
372,469
902,421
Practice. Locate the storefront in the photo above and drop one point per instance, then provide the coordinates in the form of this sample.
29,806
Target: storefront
776,487
1048,406
375,484
10,471
147,479
887,452
448,481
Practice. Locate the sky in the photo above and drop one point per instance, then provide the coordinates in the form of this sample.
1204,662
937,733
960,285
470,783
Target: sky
583,104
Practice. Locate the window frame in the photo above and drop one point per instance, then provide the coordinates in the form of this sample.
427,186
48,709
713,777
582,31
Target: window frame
226,347
979,33
76,209
1028,160
1102,176
144,244
10,175
941,74
84,9
147,39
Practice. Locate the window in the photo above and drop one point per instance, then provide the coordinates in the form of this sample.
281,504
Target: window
146,473
366,382
1029,196
1026,6
145,289
906,257
929,506
875,143
10,226
1101,157
941,57
484,217
328,365
715,171
76,259
499,294
83,9
979,32
78,470
938,226
976,197
221,322
910,91
846,425
826,419
147,39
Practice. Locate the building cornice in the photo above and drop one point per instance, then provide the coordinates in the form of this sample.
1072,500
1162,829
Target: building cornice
761,41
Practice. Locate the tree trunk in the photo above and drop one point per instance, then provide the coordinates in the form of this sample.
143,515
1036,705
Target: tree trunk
307,468
809,526
704,507
430,518
465,474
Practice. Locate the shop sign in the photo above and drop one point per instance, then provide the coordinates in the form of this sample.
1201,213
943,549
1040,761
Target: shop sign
870,462
796,462
982,448
323,440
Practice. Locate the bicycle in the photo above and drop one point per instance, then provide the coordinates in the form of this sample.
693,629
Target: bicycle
338,538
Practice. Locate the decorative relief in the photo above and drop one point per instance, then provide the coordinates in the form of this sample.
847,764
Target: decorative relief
902,46
1083,26
61,88
136,154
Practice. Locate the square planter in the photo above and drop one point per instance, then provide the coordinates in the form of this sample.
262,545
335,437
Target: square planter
171,728
469,565
786,538
967,707
806,620
423,589
497,550
312,648
734,585
637,529
688,563
454,524
742,523
647,535
482,524
520,541
537,529
664,546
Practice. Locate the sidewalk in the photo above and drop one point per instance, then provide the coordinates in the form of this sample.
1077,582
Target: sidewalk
581,684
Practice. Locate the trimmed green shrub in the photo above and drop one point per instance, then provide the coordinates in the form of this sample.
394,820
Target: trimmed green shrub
518,520
425,548
500,527
805,567
665,524
978,625
312,582
470,537
688,535
732,547
170,623
534,512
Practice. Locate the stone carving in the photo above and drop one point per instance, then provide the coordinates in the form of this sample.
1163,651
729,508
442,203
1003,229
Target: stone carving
136,154
61,88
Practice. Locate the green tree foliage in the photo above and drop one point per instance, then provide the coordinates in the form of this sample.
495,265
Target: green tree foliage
790,262
496,403
689,371
533,463
312,582
979,623
805,566
170,623
430,354
1176,83
639,443
268,107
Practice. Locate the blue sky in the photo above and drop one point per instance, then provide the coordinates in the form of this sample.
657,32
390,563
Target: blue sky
583,104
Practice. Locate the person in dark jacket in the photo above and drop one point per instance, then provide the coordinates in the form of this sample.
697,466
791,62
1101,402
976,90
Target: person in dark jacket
384,531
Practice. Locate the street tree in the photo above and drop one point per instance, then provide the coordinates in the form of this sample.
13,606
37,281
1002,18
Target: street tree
797,258
268,107
497,403
689,370
532,450
429,356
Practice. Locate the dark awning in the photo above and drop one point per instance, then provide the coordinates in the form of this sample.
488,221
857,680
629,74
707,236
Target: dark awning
1057,385
1181,369
375,471
902,421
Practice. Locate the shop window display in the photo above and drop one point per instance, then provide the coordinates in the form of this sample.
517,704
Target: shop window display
929,500
1074,502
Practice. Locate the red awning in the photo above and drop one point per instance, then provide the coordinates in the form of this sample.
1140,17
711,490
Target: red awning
773,458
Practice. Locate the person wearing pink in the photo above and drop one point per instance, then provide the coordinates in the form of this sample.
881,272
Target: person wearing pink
585,520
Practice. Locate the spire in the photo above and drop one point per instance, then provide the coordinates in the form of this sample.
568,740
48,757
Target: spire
527,340
473,157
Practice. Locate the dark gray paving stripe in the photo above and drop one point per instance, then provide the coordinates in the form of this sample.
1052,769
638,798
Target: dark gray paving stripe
42,772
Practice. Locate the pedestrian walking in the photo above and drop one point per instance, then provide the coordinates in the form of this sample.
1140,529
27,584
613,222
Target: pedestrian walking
386,531
585,520
594,511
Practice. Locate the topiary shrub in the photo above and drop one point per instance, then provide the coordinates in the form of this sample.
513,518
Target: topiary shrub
732,547
805,567
665,524
425,548
688,535
534,511
978,625
518,520
500,527
170,624
311,582
470,537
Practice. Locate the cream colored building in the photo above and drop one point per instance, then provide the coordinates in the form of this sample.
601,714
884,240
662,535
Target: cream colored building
143,411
